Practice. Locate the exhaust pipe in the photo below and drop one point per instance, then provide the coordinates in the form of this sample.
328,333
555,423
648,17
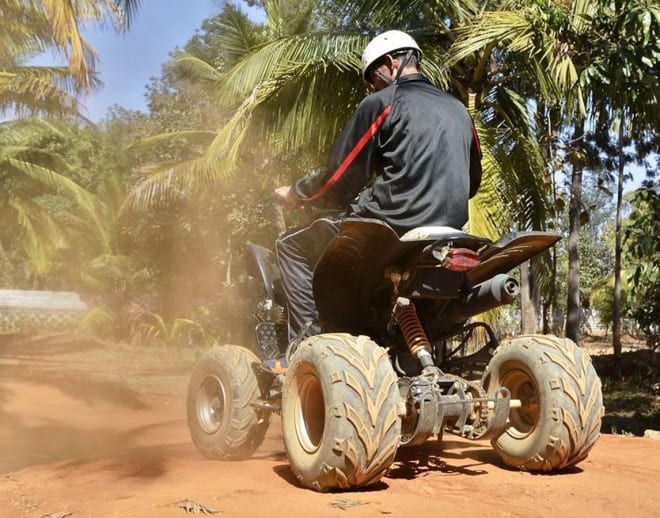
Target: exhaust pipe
493,293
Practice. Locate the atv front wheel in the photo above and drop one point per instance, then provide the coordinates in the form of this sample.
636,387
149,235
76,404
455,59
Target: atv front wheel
339,412
559,419
222,421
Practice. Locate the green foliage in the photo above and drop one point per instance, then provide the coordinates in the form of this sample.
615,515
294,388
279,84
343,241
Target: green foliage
177,331
224,39
643,256
148,215
288,92
621,72
99,321
39,198
602,299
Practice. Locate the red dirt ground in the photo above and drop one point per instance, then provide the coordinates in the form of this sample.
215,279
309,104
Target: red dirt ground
88,430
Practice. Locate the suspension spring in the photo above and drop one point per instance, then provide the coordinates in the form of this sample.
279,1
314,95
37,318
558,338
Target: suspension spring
281,316
411,327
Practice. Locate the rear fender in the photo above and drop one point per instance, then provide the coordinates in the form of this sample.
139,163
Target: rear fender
509,252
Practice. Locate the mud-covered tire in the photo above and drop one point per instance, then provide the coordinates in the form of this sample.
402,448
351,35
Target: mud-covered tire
223,423
339,412
562,402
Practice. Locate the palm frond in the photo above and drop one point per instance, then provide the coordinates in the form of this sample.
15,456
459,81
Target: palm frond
38,91
192,138
274,19
55,181
197,68
30,27
24,31
67,19
42,235
18,131
262,68
404,14
59,183
237,35
97,318
511,31
160,182
129,9
510,107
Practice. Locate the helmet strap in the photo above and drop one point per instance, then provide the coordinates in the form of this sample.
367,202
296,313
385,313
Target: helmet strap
382,77
404,64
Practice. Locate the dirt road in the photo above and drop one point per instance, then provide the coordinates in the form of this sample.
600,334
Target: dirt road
92,431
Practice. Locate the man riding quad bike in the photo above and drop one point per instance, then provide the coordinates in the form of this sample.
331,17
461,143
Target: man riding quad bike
362,331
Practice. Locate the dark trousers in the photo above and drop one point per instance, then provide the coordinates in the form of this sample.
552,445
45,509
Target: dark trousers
298,251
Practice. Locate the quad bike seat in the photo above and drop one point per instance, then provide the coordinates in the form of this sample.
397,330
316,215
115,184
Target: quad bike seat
442,233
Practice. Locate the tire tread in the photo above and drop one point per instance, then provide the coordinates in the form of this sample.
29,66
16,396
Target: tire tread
368,437
246,429
577,408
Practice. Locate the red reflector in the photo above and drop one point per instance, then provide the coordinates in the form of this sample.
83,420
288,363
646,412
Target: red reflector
461,260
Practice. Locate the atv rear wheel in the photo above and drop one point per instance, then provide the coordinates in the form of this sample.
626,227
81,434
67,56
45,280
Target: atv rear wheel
222,421
561,402
339,412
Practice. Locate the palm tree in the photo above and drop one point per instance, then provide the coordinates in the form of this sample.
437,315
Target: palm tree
32,27
554,36
293,90
28,174
289,90
38,198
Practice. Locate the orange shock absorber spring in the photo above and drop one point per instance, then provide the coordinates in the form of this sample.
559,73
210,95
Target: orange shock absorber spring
411,327
281,316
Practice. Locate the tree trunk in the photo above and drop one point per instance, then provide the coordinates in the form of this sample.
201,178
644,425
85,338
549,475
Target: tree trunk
551,296
573,302
528,320
228,273
549,325
616,323
535,290
527,302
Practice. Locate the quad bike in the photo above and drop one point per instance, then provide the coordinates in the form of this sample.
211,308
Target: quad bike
397,362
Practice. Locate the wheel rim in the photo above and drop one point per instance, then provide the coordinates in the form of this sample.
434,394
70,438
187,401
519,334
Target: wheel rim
211,404
309,411
523,387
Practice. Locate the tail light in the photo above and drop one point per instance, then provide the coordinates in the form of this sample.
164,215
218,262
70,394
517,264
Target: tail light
460,259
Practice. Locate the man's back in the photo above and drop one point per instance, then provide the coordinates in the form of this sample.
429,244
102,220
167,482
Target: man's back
409,156
422,158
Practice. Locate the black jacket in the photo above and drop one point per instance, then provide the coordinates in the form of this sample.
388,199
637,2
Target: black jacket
420,144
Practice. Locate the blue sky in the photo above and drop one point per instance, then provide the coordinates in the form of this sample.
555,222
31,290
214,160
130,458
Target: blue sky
128,60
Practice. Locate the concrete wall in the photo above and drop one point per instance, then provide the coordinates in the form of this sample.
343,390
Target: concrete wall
24,311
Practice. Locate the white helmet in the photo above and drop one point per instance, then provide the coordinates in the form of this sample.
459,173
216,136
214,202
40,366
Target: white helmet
386,43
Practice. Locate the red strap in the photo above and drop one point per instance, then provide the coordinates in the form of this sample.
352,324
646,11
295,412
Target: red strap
371,131
476,139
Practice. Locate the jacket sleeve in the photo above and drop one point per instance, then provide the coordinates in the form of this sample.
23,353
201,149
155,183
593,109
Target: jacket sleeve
475,163
350,163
